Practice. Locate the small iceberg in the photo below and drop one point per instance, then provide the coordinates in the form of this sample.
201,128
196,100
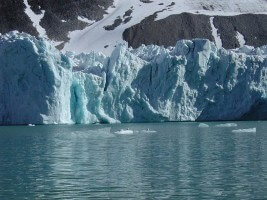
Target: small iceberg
226,125
148,131
248,130
31,124
124,132
203,125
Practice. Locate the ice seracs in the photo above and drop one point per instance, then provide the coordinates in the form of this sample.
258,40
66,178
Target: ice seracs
191,81
35,81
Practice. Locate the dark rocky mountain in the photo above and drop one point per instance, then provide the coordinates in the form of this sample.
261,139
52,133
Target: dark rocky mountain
13,17
60,16
253,27
187,26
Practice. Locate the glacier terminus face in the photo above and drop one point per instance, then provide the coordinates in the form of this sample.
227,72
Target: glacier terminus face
191,81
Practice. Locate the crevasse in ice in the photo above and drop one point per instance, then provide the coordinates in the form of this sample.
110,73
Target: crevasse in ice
191,81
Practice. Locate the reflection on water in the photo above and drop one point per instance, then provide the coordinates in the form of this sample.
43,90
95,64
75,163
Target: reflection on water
179,161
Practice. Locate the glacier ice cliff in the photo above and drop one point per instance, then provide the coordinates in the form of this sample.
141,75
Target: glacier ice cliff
191,81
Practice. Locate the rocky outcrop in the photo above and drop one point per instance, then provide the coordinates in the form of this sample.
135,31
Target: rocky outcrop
60,16
187,26
13,17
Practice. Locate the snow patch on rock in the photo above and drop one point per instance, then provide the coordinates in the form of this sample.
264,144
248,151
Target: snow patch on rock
215,34
96,38
240,38
36,19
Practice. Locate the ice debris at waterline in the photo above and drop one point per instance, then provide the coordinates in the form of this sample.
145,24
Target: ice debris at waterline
248,130
124,132
203,125
148,131
191,81
226,125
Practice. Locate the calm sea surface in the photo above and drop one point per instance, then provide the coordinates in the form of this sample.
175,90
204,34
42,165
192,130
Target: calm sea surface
179,161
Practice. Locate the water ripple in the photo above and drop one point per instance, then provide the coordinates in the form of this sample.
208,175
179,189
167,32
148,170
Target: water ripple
179,161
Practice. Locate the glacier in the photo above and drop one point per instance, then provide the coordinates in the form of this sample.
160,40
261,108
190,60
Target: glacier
193,81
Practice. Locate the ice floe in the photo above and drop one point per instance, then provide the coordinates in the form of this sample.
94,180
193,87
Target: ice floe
248,130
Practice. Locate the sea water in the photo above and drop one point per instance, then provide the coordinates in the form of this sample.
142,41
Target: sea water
173,161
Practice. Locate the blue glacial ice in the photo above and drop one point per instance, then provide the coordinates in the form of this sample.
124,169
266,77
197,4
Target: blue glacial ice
191,81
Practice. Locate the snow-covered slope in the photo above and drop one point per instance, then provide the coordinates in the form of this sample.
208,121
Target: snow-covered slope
99,25
96,38
192,81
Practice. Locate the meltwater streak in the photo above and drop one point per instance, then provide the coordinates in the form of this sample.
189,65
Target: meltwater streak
179,161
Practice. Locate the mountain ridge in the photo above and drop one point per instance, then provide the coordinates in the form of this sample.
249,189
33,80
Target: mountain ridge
87,25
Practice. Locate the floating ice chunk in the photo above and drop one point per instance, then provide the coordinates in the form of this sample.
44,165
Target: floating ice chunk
124,132
226,125
148,131
249,130
31,124
203,125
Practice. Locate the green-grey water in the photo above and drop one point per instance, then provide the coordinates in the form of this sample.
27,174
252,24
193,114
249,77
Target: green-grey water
179,161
